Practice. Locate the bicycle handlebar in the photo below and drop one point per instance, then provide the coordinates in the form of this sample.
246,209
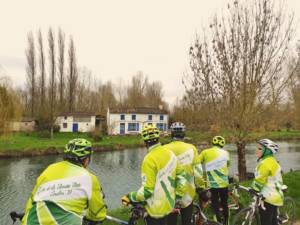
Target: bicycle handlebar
116,220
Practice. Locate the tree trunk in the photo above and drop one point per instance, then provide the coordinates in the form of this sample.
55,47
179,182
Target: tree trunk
242,169
51,131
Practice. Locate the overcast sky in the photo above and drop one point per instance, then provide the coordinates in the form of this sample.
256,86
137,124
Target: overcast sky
114,39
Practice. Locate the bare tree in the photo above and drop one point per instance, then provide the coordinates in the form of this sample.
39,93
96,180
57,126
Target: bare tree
72,78
52,84
61,61
154,95
31,71
294,68
10,107
42,85
237,68
136,90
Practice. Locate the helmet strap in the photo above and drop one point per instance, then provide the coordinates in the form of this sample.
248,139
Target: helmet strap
151,142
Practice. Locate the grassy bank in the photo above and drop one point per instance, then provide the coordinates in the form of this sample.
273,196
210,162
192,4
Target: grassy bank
33,144
20,144
200,137
290,179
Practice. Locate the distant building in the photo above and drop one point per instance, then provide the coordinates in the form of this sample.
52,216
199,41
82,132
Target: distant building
79,121
131,120
24,124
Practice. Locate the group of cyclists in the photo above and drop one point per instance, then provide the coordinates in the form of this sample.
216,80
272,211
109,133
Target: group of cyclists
172,175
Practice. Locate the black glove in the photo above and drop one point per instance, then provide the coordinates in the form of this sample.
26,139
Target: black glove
14,216
86,221
254,192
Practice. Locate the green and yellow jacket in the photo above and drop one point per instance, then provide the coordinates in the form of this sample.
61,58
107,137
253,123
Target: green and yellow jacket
63,194
216,162
187,155
268,180
162,181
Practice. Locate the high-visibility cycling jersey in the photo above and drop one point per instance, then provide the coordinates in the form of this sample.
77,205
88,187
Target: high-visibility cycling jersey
162,180
268,180
187,155
216,162
63,194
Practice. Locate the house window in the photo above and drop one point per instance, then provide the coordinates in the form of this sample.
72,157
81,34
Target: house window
122,117
65,118
160,126
149,117
161,117
133,117
149,123
133,126
65,125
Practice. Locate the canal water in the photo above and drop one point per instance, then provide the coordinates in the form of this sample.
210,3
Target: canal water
118,171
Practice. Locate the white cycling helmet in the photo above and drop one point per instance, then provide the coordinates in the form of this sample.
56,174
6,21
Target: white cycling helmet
271,145
177,130
178,126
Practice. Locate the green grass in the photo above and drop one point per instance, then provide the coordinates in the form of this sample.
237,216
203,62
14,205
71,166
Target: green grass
292,180
25,142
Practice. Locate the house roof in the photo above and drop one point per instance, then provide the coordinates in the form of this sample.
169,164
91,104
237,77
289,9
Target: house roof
27,119
80,114
138,110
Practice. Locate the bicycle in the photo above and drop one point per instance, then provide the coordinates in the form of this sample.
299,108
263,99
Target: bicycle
250,215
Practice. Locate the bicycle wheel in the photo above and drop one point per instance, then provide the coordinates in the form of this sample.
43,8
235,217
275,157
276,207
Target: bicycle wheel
287,212
246,217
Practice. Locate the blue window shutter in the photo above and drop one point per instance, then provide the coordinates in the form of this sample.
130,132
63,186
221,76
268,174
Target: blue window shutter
137,127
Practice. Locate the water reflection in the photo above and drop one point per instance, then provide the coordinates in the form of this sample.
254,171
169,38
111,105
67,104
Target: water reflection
118,171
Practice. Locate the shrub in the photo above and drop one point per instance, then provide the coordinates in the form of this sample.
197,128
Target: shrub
96,135
44,134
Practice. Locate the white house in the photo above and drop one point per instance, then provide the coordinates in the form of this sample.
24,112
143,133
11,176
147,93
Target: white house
78,121
132,120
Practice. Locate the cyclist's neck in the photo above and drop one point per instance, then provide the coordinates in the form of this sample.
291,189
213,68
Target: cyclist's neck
152,146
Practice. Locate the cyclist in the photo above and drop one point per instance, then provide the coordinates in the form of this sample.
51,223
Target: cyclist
66,192
187,156
162,179
268,181
216,162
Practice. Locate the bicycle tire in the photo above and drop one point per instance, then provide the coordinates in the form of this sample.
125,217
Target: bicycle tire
287,212
243,217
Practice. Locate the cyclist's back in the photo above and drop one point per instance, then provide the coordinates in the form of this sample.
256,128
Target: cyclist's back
63,194
164,162
187,156
216,161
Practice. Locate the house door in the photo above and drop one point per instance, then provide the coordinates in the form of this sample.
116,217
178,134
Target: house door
75,127
122,128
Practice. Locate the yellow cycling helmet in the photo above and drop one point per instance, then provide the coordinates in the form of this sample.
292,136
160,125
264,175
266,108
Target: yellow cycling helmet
78,148
218,140
150,132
